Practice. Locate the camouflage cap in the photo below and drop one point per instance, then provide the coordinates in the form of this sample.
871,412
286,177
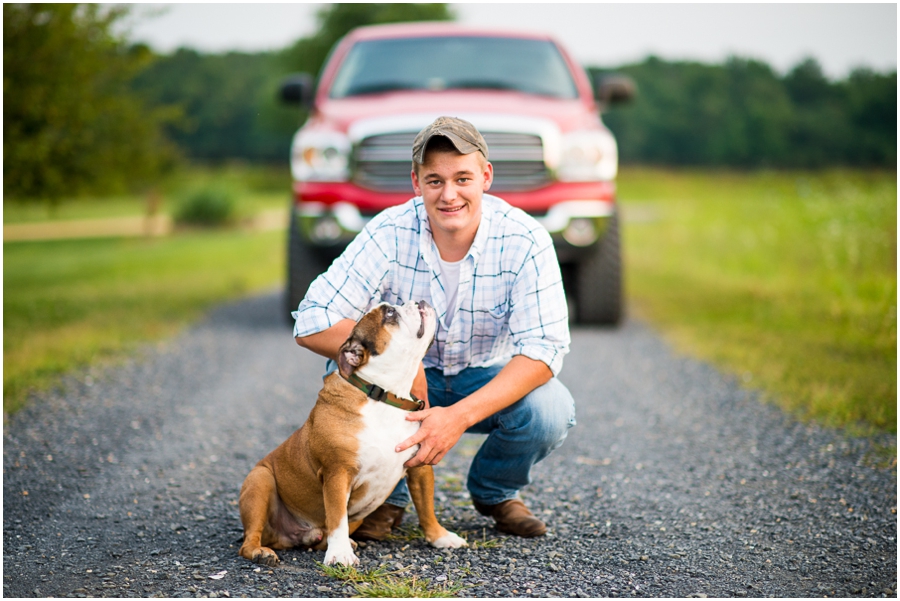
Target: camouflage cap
461,133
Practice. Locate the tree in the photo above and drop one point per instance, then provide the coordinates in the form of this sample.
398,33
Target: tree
820,132
71,124
222,96
231,101
336,20
872,109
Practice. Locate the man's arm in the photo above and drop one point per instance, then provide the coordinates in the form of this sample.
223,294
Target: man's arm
345,290
328,342
442,427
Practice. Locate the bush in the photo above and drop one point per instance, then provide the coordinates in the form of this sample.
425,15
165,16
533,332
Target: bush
209,207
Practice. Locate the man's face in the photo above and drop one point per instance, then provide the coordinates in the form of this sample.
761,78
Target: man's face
451,184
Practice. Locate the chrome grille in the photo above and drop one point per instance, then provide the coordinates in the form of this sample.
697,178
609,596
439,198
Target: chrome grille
382,162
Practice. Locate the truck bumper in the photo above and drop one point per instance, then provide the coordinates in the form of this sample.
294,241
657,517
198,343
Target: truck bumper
330,215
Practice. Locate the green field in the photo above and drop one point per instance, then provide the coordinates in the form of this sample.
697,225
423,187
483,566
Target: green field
72,303
787,280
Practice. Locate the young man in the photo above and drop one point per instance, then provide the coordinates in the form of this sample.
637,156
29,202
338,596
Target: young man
491,273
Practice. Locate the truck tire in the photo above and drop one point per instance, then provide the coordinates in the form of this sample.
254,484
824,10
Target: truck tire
598,285
303,266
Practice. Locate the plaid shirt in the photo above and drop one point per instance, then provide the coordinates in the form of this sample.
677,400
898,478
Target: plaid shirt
510,299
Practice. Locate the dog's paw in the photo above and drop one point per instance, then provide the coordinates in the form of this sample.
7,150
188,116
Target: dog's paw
341,553
265,556
449,541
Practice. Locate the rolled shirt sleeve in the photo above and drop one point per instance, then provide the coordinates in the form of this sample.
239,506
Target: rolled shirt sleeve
539,316
350,286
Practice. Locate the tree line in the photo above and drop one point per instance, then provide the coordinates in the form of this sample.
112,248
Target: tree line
86,110
743,114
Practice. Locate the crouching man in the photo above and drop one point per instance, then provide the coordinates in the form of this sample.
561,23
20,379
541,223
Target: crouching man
491,273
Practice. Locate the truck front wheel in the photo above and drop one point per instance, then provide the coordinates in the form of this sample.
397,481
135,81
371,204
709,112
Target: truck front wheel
598,280
303,266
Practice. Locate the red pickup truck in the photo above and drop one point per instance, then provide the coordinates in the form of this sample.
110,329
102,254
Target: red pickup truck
535,106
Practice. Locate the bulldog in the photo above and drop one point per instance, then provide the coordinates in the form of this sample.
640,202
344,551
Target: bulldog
315,489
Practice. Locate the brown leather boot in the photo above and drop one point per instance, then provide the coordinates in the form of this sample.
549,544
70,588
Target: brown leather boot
513,517
378,524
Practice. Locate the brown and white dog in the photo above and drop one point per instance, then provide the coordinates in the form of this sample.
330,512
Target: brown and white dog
315,489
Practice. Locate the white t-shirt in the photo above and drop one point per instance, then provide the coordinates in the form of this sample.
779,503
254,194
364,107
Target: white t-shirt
450,275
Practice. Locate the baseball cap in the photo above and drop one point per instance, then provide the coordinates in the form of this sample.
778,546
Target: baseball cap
460,132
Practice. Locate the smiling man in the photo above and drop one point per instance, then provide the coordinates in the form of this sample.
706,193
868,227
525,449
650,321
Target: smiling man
491,273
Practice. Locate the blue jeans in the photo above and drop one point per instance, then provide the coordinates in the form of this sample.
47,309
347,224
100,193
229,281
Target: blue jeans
518,436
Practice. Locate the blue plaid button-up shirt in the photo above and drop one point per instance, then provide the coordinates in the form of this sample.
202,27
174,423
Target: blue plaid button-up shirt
510,299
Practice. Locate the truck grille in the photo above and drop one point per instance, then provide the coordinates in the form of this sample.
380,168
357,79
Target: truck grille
382,162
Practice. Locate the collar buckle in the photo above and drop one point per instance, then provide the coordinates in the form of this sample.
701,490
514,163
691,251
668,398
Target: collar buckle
377,392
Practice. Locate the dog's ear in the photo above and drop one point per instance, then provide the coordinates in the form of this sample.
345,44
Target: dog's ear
351,356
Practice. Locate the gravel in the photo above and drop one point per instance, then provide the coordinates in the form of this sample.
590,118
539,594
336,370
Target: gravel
677,482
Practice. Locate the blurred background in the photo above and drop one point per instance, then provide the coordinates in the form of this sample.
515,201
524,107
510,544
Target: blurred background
720,85
757,176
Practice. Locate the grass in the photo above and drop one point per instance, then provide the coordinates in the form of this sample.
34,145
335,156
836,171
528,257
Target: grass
483,543
378,582
69,304
787,280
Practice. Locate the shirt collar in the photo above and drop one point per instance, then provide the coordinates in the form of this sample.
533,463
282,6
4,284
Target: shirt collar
427,247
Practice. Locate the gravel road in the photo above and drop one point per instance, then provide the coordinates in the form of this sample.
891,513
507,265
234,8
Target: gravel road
676,482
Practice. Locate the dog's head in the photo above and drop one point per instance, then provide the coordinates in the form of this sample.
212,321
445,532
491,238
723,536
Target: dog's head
389,339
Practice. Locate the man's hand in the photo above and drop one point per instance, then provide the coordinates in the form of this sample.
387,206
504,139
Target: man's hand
440,430
442,427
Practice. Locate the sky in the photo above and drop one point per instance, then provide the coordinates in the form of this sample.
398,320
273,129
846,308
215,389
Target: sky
840,37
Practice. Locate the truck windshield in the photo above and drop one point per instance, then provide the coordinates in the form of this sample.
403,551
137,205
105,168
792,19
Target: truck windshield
464,62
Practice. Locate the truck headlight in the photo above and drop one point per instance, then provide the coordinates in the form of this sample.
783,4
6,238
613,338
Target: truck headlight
588,156
320,156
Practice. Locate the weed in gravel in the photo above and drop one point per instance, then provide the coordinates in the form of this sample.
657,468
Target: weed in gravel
406,533
483,543
378,582
352,574
393,587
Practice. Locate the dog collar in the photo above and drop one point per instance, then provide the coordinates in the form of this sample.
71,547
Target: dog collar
378,393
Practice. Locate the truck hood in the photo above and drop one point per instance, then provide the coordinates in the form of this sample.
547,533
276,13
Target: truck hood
415,109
